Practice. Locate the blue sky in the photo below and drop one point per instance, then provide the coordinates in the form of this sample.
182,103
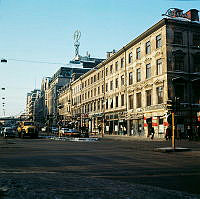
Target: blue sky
42,30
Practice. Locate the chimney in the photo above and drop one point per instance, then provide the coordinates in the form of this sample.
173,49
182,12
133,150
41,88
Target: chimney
192,14
109,54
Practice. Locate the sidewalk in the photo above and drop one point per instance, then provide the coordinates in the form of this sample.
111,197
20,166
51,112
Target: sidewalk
126,137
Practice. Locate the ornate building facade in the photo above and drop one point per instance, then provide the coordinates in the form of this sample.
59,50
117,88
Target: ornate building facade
129,91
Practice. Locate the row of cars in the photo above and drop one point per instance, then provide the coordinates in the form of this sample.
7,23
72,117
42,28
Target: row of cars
66,132
8,132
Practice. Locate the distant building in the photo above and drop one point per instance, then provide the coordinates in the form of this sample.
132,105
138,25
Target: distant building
31,108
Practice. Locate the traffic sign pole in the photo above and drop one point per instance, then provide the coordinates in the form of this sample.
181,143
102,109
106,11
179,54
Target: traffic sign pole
173,131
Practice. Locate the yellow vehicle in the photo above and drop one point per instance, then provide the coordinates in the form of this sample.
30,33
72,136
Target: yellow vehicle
27,128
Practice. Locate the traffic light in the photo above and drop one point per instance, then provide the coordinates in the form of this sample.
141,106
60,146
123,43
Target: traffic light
173,105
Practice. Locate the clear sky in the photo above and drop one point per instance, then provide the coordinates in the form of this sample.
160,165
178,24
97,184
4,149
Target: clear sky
42,30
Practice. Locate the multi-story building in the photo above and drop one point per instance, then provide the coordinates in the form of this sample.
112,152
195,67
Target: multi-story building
31,107
130,90
62,78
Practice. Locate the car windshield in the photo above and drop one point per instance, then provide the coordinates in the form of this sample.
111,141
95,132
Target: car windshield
28,123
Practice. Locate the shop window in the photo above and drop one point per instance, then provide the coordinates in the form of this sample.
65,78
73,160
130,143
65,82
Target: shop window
178,38
138,75
159,91
159,67
139,100
148,97
138,53
130,101
148,47
158,41
196,98
148,71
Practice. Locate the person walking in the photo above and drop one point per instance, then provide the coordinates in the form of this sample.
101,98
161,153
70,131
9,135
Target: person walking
152,132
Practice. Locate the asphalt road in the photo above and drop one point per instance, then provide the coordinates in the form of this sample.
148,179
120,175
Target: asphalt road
109,165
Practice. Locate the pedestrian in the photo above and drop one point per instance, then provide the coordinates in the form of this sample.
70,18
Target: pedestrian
99,128
168,134
189,133
152,133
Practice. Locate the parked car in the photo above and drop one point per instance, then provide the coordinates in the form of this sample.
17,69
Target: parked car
8,132
54,129
69,132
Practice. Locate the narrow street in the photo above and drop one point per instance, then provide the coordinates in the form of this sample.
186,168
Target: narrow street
109,168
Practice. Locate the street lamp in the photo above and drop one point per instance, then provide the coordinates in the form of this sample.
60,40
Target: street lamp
3,61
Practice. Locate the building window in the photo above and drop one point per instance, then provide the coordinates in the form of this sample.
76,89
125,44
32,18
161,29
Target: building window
88,94
88,81
102,73
98,90
116,83
196,39
122,62
106,103
148,97
122,100
95,91
138,100
111,103
116,66
95,78
106,87
180,91
130,99
111,85
98,105
138,53
148,47
159,69
111,69
91,80
130,79
106,71
122,80
178,38
94,105
159,91
102,87
138,75
179,62
148,71
130,57
196,61
91,93
116,101
158,41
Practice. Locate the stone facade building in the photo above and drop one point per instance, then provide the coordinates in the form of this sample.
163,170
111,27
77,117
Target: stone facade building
129,91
